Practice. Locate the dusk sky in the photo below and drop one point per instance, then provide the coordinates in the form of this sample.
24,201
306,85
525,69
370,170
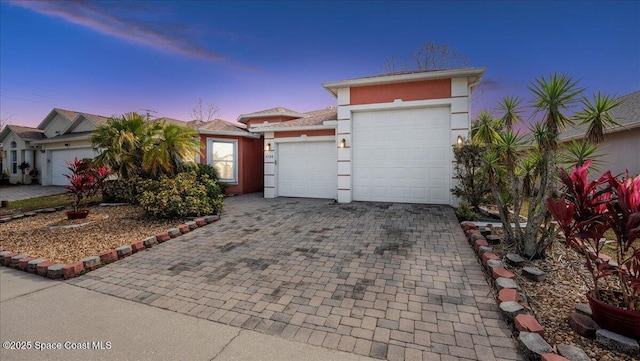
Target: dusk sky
113,57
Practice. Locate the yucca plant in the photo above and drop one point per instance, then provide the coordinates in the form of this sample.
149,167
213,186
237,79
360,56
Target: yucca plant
596,115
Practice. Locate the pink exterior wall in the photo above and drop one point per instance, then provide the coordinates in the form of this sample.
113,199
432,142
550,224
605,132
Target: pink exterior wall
250,168
386,93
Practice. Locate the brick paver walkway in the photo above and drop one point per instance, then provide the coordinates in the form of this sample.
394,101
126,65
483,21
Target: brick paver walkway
390,281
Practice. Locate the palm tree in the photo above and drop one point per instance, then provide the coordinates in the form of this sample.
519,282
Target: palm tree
509,106
174,145
123,141
596,115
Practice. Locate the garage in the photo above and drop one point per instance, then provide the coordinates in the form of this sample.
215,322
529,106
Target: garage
402,155
58,159
307,169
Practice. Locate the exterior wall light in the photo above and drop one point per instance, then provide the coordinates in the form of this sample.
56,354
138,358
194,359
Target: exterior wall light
343,143
267,147
459,140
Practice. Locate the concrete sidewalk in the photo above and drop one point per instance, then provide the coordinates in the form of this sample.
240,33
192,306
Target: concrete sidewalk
35,312
16,193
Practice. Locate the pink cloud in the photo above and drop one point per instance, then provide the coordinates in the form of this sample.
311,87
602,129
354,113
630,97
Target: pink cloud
104,19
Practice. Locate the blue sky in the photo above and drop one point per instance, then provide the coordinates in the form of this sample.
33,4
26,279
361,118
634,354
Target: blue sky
112,57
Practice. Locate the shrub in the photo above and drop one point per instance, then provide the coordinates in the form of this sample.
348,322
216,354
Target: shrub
120,191
85,180
181,196
473,185
464,212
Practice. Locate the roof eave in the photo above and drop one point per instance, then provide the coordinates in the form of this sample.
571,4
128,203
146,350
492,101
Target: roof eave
242,118
293,129
223,132
57,139
477,73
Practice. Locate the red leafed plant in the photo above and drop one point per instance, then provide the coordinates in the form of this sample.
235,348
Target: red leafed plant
85,180
587,210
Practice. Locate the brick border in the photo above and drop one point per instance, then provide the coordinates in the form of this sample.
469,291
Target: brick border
53,270
512,304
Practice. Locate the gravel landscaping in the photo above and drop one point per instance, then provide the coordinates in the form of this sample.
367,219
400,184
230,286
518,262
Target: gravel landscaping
554,299
53,237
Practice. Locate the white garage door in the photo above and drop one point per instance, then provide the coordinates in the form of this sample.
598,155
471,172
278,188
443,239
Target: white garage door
58,166
307,169
402,156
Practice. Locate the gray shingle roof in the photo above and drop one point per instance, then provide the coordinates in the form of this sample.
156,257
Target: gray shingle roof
218,125
626,114
27,133
311,118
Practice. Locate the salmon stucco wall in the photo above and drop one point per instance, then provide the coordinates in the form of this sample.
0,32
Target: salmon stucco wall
386,93
250,169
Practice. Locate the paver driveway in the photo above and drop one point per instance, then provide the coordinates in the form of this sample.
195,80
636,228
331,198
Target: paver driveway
394,281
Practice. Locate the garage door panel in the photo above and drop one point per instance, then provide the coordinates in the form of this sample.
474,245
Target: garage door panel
58,164
402,156
307,169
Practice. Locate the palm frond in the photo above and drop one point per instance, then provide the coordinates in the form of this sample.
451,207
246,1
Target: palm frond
596,115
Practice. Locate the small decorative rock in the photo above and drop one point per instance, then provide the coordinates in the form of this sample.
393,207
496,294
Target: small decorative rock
584,309
487,256
137,247
552,357
72,270
109,256
514,259
573,353
15,260
510,310
583,325
32,265
498,272
617,342
90,263
492,239
534,274
43,267
55,271
22,265
173,232
494,263
502,283
192,225
184,228
163,237
150,241
508,294
124,251
532,345
484,249
528,323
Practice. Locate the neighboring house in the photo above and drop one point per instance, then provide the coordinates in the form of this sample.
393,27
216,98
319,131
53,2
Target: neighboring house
17,146
67,136
621,147
389,139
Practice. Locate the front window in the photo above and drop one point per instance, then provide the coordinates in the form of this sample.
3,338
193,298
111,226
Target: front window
14,158
223,156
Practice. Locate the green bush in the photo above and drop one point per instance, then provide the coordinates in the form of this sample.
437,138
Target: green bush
120,191
181,196
464,212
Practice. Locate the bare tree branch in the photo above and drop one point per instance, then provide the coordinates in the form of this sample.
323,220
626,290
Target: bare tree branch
430,56
204,113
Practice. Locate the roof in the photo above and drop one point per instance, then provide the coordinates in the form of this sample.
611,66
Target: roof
272,112
406,76
171,121
63,137
311,118
27,133
627,114
97,119
221,127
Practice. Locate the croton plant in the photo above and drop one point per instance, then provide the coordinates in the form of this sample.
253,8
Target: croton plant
85,180
587,210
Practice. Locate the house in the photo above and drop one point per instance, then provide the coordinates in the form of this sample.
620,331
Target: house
389,139
621,145
17,146
236,153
